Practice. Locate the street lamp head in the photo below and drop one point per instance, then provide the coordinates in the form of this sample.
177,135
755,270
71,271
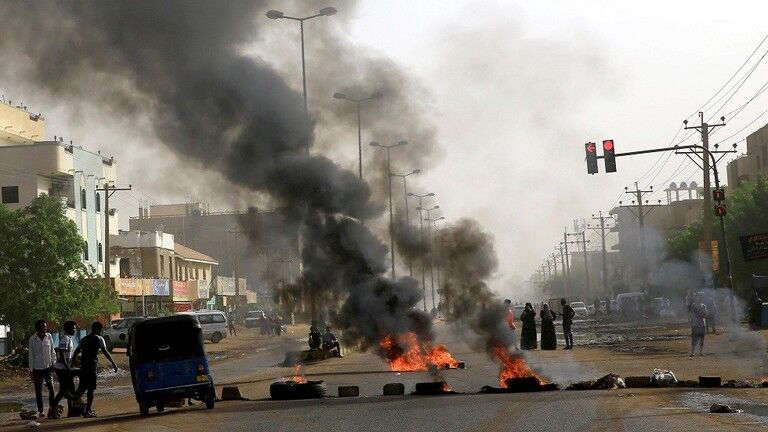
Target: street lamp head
722,118
685,122
430,194
416,171
441,218
435,207
377,95
274,14
328,11
339,96
374,144
402,143
411,194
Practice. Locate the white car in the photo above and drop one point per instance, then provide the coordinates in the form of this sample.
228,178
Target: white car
580,309
213,323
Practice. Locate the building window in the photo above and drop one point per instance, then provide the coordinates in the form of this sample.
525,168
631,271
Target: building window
98,202
162,266
10,194
85,251
197,274
186,273
204,278
82,198
101,253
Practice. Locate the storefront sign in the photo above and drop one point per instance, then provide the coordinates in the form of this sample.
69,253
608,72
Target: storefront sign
161,287
203,289
225,286
754,246
180,291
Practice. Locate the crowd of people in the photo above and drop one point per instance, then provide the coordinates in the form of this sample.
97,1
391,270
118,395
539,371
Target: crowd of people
529,339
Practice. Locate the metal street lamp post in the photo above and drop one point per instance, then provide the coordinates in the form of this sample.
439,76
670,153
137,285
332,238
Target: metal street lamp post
421,239
326,11
432,259
389,183
357,102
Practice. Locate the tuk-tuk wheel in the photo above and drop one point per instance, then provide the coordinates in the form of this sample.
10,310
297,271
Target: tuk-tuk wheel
160,406
143,409
216,337
210,401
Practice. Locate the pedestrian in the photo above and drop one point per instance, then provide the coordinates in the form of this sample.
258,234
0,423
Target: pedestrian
510,319
41,357
90,346
548,337
756,312
568,314
231,322
711,304
62,367
528,334
698,324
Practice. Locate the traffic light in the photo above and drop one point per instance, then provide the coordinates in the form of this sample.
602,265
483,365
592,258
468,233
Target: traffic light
609,155
591,150
720,210
718,195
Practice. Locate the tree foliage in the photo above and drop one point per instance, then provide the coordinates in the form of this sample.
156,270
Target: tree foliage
42,275
747,214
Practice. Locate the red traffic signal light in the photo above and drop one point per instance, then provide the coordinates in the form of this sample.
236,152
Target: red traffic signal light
718,195
591,151
720,210
609,156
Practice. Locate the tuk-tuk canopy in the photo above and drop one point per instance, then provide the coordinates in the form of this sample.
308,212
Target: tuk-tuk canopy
166,338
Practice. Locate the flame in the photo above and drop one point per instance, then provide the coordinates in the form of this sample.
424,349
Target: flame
406,353
298,375
446,388
512,366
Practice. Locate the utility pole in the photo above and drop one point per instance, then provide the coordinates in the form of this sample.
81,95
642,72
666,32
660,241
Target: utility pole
108,191
562,263
567,263
603,229
705,129
583,242
638,194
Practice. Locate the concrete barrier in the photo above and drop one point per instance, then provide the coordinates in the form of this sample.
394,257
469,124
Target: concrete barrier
394,389
637,381
349,391
710,381
230,393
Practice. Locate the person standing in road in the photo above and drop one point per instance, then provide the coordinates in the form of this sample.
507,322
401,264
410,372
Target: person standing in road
62,368
231,323
90,346
698,324
510,318
41,356
528,334
568,314
711,303
548,336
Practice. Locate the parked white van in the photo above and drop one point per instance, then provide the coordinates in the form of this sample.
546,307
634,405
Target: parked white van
213,322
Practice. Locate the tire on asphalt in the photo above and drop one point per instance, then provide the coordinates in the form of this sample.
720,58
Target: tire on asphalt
285,390
216,337
143,409
160,406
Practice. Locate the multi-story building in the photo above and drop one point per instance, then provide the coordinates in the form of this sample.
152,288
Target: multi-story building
252,244
156,273
31,166
754,163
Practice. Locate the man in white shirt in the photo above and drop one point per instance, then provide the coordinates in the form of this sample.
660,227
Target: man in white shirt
62,368
41,357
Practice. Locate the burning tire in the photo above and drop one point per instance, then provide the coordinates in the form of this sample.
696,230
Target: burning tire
286,390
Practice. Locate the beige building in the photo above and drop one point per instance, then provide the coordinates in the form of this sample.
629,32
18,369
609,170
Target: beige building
755,162
31,166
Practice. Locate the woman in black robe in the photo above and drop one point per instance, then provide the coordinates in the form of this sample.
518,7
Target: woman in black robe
548,337
528,334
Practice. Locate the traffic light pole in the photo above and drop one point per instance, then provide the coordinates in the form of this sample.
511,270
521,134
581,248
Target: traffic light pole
711,156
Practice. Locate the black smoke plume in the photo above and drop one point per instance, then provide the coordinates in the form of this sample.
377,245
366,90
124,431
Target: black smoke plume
182,64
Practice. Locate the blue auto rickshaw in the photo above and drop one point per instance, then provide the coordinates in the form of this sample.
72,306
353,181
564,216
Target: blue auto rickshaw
167,362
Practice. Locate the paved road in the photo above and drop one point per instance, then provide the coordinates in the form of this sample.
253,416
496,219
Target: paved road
618,410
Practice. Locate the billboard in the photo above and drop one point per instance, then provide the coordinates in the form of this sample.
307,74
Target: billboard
161,287
754,246
180,291
225,286
203,289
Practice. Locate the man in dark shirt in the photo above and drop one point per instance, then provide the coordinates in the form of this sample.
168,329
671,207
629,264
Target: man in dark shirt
90,346
568,314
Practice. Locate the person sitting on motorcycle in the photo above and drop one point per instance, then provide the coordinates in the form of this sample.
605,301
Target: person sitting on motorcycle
315,338
330,342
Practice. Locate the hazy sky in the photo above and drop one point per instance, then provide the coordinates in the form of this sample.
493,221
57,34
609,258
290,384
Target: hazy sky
514,89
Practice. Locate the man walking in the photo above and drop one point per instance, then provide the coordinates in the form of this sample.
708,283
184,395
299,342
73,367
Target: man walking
568,314
231,323
510,319
90,346
41,357
698,324
62,368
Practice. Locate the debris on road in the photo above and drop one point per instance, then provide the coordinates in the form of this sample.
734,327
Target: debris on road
608,382
710,381
435,388
723,409
742,383
663,378
286,390
637,381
